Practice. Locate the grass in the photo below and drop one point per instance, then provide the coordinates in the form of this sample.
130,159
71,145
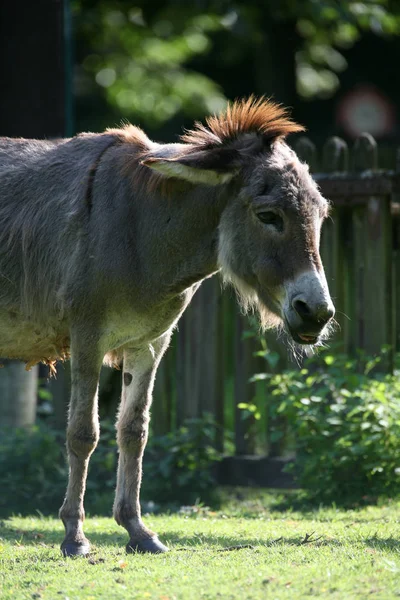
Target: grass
252,549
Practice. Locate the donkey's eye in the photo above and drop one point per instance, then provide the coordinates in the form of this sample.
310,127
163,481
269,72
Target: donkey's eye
271,218
266,189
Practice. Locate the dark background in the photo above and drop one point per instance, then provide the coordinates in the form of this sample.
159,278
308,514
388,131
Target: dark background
84,65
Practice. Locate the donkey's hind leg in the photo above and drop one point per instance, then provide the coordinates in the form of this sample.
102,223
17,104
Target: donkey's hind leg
140,366
82,438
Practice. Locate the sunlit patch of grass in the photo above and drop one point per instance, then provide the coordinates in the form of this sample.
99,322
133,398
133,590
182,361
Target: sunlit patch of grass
249,549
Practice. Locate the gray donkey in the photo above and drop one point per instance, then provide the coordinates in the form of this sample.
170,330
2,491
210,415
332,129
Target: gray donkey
104,239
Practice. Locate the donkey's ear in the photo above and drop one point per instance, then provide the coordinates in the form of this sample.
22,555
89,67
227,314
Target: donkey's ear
210,167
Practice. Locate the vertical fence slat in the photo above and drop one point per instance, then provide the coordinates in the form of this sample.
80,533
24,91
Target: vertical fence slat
162,408
60,389
18,389
377,275
358,310
307,152
365,153
372,257
210,367
335,155
396,279
395,213
334,160
186,388
364,157
245,440
199,357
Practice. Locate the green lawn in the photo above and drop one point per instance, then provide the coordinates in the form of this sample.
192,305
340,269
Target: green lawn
247,550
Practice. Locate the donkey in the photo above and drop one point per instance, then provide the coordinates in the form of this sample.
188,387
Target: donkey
104,239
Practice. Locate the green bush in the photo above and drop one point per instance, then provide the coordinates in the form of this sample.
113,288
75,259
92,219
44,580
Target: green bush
179,465
34,472
345,419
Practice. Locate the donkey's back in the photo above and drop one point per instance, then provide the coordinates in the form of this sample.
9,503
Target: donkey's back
43,215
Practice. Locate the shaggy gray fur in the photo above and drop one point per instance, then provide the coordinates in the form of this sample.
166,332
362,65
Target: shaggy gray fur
98,261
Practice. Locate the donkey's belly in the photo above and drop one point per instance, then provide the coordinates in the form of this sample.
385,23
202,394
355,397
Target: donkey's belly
26,340
138,329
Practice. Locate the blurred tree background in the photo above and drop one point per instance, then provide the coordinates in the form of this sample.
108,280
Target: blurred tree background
163,63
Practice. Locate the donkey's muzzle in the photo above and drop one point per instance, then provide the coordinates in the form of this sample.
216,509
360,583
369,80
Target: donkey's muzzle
321,314
308,319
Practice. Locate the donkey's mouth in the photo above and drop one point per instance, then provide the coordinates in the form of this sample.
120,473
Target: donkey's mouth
308,339
304,339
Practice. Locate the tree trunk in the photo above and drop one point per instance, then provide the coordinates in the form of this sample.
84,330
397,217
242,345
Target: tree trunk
18,389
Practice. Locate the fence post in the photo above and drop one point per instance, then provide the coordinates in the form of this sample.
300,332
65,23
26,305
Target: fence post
60,389
163,396
372,228
395,211
334,242
245,439
18,389
307,152
199,357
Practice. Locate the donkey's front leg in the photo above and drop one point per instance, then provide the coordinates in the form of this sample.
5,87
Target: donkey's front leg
82,438
132,429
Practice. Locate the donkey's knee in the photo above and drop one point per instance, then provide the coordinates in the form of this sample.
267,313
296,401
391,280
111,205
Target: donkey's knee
132,434
82,439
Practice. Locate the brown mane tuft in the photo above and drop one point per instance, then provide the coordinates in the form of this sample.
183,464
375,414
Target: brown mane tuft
252,115
131,135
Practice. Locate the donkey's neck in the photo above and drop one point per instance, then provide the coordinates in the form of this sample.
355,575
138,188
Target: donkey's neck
150,244
181,238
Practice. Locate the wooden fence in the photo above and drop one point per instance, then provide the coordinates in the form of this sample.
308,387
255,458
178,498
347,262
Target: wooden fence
211,360
213,356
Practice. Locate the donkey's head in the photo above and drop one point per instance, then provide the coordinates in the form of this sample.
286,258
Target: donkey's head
269,231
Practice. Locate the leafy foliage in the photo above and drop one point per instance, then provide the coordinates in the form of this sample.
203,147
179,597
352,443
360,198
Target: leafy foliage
141,64
179,464
148,59
33,468
33,471
327,29
345,418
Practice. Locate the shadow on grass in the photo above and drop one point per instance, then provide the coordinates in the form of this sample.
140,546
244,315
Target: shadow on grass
249,502
176,541
54,536
193,543
231,543
376,543
253,501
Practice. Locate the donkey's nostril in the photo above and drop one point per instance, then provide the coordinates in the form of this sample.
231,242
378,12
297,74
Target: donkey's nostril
324,312
313,314
302,308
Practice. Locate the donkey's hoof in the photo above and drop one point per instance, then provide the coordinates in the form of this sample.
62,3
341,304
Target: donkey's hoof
152,545
75,548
